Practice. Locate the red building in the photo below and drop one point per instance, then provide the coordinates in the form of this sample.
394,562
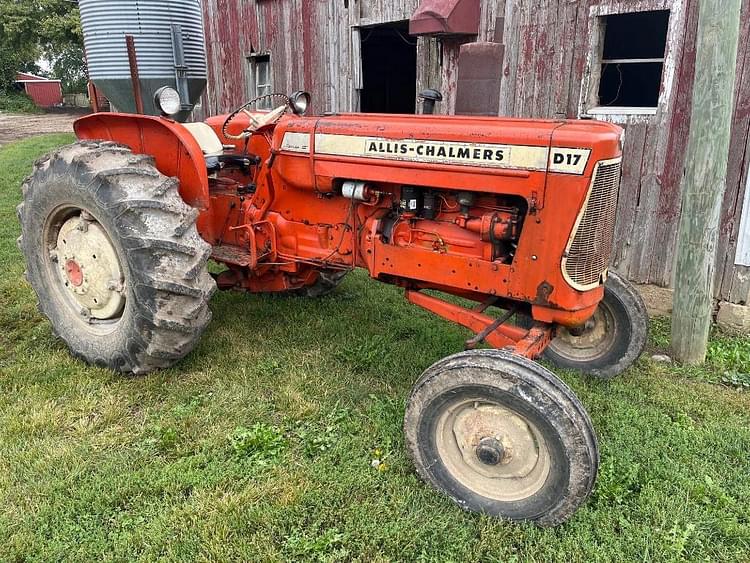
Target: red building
45,93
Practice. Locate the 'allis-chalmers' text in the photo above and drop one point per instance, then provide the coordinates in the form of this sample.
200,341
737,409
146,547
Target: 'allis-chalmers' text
435,150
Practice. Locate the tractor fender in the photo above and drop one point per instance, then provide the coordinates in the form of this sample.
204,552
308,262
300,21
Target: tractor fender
175,150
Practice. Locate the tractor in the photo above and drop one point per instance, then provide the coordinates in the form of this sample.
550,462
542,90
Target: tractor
504,226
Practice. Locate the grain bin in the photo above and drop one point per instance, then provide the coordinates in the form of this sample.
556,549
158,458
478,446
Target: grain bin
169,45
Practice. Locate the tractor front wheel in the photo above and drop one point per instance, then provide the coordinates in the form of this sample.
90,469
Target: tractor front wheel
114,257
501,435
611,340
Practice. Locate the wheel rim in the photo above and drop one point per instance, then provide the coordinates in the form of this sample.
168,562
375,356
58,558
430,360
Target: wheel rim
492,450
592,342
84,266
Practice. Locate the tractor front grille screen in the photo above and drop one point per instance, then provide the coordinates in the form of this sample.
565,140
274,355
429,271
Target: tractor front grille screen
589,251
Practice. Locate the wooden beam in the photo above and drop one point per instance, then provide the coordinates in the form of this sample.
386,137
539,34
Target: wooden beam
704,181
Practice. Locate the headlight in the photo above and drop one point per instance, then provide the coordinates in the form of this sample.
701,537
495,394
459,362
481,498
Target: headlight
300,102
167,101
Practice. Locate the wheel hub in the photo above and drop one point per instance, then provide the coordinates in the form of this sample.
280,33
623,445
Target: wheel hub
75,275
589,341
90,268
492,450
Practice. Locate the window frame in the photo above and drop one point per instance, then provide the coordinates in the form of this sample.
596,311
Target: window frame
589,98
255,88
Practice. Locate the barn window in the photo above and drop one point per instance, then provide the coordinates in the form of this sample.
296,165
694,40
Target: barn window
260,78
631,62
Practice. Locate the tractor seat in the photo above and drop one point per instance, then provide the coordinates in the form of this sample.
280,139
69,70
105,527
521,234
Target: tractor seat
213,149
206,137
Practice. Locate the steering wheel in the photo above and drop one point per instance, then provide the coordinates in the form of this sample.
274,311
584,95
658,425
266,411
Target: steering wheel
258,120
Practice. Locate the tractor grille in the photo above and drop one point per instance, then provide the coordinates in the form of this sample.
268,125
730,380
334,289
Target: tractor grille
589,251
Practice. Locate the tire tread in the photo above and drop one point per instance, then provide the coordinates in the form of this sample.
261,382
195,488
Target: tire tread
167,258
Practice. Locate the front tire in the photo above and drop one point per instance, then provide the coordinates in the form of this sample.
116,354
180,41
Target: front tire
611,341
114,257
501,435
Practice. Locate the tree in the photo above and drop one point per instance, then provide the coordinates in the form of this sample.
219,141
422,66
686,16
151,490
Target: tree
16,51
34,29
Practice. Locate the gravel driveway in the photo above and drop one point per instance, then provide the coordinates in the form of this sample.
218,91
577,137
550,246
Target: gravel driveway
19,126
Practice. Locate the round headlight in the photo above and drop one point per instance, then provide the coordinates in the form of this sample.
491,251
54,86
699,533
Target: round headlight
300,102
167,100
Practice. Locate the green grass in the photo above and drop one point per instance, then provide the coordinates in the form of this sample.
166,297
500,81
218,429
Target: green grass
259,446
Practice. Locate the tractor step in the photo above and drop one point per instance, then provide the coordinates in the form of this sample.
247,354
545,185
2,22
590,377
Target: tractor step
231,254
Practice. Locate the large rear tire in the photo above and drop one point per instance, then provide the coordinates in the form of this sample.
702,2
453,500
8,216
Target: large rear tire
501,435
114,257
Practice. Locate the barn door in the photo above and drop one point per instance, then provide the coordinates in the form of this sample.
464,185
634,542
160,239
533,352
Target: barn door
389,68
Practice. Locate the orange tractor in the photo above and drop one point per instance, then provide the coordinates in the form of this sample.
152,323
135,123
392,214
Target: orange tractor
512,219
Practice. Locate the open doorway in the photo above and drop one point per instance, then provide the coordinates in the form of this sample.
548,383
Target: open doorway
389,69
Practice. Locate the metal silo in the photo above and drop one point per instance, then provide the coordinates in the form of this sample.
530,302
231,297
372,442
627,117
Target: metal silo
169,48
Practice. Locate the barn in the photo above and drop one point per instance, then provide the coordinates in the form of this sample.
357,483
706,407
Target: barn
625,61
45,93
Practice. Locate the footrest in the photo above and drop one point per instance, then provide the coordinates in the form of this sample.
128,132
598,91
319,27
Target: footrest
231,254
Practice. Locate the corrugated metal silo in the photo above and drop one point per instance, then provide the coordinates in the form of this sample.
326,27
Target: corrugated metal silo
169,45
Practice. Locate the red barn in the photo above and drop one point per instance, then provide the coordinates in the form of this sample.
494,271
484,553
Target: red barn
45,93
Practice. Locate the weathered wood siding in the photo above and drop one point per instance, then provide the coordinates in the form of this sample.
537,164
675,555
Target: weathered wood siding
733,281
548,61
314,45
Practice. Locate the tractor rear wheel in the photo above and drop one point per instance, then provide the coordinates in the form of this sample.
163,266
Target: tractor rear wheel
499,434
611,340
114,257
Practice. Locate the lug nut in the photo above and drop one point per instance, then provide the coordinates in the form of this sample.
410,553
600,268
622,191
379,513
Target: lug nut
114,285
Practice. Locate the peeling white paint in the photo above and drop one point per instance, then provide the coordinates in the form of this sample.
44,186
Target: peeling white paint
742,258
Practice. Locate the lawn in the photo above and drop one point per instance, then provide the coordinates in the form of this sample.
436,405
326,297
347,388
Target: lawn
259,446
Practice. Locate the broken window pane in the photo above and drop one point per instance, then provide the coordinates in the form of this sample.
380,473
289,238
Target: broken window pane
630,85
633,59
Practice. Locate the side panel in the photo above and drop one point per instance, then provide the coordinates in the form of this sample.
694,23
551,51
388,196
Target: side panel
176,152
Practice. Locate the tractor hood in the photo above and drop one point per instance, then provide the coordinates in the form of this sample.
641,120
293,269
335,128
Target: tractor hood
492,143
